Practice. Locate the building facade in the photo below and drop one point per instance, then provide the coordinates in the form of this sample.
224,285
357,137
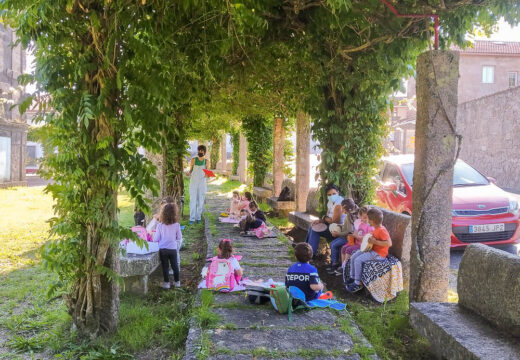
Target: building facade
13,127
486,68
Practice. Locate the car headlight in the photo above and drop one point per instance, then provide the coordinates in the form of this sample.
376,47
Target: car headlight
513,206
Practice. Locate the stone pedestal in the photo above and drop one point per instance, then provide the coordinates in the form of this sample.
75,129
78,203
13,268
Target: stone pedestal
278,156
303,145
242,160
437,80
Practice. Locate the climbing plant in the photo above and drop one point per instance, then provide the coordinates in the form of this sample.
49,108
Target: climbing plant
259,134
235,141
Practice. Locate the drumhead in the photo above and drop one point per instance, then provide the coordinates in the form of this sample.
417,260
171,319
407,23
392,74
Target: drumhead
319,227
365,246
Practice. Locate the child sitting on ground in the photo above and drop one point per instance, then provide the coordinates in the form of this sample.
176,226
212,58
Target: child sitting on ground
168,235
380,241
256,212
303,275
234,211
355,239
246,199
248,222
350,209
217,275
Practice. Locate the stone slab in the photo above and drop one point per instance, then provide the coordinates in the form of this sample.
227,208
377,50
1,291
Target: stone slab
243,318
271,261
262,193
281,340
251,357
132,264
458,334
281,205
489,284
302,220
256,272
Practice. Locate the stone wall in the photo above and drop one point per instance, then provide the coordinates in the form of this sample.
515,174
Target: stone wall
489,127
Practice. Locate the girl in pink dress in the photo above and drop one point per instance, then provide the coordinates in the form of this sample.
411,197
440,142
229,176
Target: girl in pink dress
355,239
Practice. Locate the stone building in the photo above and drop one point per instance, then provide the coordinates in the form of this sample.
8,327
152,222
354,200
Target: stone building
486,68
13,127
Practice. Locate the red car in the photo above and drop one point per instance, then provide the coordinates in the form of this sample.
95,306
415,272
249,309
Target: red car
482,212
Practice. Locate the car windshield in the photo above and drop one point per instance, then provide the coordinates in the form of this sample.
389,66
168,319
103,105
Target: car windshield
463,175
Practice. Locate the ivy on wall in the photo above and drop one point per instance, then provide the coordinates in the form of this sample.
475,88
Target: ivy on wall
259,133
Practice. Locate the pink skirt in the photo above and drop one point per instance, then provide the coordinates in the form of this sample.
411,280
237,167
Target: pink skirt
350,249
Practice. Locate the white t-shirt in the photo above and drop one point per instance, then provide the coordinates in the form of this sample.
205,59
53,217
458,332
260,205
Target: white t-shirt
234,263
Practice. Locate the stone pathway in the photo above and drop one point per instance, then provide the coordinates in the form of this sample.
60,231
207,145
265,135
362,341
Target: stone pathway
243,331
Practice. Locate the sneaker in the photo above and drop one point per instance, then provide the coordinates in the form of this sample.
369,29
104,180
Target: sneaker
170,272
349,281
191,222
338,272
165,285
177,284
353,288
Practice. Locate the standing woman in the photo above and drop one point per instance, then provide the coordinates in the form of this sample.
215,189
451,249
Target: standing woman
198,184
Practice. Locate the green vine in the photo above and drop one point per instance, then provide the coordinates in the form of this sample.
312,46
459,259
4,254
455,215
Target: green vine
259,133
214,153
235,141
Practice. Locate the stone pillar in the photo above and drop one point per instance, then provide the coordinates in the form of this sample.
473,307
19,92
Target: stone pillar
278,157
223,153
303,147
242,160
437,81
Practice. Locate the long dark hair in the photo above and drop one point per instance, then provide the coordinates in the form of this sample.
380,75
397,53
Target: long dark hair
168,214
226,249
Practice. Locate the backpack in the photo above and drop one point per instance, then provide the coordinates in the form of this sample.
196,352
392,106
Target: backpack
283,302
257,295
221,276
285,195
262,231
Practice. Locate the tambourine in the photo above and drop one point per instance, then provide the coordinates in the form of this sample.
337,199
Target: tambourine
365,245
319,227
334,228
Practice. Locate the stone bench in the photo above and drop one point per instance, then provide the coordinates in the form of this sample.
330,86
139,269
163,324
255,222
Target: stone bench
262,193
282,208
485,324
136,270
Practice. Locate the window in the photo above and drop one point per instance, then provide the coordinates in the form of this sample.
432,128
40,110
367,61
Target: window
31,155
390,174
488,74
512,77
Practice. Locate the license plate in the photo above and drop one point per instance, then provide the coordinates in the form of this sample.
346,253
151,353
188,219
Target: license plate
486,228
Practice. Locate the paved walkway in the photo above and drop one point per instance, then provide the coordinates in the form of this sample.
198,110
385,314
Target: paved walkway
245,331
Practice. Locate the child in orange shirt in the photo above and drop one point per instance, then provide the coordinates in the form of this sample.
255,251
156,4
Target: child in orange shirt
380,241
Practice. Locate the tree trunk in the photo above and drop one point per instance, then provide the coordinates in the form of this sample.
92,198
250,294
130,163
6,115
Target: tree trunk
278,156
437,80
303,145
215,152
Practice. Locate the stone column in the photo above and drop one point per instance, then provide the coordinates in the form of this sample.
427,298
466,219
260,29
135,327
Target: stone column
437,81
242,160
303,147
223,153
278,158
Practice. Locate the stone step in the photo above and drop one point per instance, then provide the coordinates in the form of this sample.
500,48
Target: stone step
246,318
284,340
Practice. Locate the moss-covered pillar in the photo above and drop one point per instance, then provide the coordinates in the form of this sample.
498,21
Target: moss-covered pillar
223,153
435,145
303,148
242,159
278,157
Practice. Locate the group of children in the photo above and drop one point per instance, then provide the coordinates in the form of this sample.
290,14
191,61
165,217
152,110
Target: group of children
246,210
358,223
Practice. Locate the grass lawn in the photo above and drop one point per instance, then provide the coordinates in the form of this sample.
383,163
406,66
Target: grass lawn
34,326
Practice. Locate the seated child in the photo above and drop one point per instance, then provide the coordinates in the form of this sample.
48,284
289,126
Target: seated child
168,235
302,274
246,199
234,211
225,251
380,241
256,212
139,218
350,209
248,222
355,239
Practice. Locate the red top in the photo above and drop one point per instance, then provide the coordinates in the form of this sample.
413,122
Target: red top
381,234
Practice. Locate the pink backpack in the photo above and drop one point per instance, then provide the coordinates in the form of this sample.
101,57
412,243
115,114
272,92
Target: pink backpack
142,233
262,231
221,275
